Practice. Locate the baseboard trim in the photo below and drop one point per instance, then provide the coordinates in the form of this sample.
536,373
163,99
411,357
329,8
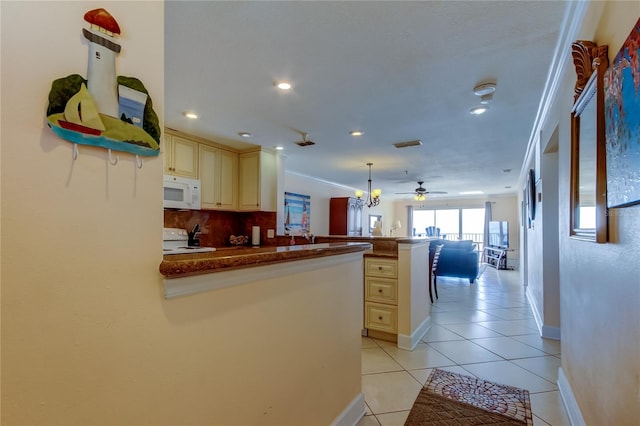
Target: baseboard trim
410,342
549,332
352,414
569,401
534,309
545,331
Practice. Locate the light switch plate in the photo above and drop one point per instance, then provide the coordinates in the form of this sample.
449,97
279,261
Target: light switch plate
271,233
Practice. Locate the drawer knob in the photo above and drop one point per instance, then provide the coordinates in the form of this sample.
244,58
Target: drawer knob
379,268
380,318
379,290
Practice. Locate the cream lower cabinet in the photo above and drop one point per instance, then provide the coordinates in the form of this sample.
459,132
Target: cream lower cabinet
381,294
218,178
180,156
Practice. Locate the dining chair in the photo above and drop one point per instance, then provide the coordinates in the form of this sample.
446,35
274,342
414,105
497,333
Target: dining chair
433,270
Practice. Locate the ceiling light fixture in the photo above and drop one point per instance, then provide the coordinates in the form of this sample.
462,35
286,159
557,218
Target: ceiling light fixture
373,197
191,115
471,192
279,147
484,89
485,92
420,197
245,135
356,133
283,85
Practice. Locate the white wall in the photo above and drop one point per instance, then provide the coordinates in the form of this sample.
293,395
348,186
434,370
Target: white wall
87,337
321,192
599,284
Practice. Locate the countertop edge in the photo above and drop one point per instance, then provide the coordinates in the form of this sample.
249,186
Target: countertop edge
207,263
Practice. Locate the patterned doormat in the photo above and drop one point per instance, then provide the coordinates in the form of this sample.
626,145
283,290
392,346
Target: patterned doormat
454,399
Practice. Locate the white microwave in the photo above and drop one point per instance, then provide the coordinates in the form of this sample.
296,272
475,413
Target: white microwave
181,193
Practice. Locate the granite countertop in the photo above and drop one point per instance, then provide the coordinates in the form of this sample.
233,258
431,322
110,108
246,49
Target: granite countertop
224,259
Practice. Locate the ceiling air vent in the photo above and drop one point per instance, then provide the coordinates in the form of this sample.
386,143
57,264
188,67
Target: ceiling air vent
406,144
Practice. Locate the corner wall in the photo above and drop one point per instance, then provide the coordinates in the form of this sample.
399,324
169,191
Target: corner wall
87,337
599,284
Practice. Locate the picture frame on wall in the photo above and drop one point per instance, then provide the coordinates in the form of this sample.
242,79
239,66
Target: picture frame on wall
297,211
587,183
622,123
531,196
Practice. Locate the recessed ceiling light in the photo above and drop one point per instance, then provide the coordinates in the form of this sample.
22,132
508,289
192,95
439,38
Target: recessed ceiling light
506,170
356,133
283,85
471,192
279,148
481,109
507,187
191,115
245,134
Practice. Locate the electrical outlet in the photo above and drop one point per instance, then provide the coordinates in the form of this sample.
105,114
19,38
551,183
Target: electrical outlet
271,233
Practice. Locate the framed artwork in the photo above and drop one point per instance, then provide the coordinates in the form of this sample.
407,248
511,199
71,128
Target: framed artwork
622,123
297,213
531,196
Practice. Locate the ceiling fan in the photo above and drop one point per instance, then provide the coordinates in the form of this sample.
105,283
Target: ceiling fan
420,193
304,141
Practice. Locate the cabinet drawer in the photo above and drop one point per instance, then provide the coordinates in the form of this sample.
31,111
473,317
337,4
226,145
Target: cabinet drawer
381,317
384,290
381,268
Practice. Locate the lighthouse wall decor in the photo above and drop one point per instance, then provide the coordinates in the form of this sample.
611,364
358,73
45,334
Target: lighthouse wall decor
105,110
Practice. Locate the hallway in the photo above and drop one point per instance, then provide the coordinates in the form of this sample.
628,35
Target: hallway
486,330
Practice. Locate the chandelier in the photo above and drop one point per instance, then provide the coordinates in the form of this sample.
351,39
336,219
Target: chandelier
373,197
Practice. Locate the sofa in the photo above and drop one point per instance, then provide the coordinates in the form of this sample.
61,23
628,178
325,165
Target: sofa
457,259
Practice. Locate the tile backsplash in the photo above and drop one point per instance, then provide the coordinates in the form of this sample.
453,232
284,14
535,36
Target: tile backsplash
217,226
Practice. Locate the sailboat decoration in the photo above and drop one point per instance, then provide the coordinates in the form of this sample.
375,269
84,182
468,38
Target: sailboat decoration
81,114
105,110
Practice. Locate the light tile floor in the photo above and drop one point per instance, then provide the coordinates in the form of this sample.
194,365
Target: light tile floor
486,330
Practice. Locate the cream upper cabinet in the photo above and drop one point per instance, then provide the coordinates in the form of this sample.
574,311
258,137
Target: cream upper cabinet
258,181
181,156
218,178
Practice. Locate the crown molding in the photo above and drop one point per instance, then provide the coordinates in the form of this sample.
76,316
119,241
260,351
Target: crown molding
574,15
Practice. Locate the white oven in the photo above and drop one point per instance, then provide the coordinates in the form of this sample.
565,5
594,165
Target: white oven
181,193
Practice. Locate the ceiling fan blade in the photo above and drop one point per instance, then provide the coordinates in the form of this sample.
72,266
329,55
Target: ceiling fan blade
435,192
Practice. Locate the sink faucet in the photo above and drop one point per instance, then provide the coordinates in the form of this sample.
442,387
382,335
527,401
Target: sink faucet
309,237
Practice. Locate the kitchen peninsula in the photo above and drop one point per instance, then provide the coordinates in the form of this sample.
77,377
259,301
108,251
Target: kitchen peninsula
295,311
394,275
